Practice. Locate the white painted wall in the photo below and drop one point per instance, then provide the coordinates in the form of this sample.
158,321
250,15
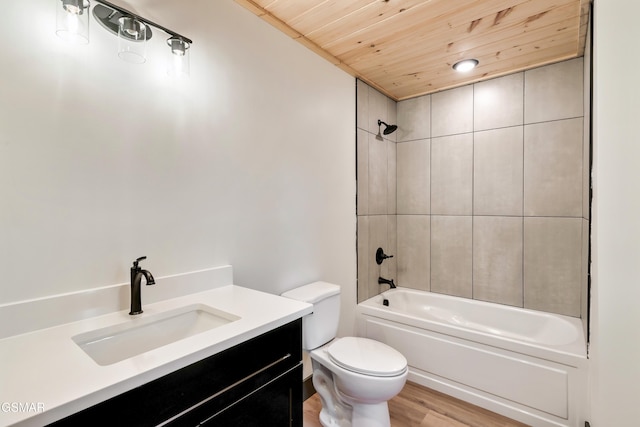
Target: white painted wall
250,162
615,336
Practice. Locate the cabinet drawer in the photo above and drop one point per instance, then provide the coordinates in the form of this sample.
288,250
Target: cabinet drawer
277,402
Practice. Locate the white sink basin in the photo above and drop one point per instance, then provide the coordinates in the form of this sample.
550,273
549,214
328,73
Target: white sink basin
119,342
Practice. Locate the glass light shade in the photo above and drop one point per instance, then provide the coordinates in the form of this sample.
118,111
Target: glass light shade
132,40
72,20
465,65
179,61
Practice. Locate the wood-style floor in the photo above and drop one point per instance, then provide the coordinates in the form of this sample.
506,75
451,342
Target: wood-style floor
417,406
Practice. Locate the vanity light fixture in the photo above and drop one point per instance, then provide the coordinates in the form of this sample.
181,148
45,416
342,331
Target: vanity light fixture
132,40
465,65
72,21
132,30
179,66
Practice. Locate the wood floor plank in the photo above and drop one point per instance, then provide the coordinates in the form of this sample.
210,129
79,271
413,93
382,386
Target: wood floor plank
455,409
311,411
404,412
418,406
434,419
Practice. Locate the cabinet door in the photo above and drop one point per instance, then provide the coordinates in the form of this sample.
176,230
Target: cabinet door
276,404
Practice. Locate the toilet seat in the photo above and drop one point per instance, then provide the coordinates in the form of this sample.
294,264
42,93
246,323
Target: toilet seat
366,356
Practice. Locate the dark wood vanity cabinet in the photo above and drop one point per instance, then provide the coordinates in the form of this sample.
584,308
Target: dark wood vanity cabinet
253,384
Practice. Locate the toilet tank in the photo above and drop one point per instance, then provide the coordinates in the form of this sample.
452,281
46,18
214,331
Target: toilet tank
320,326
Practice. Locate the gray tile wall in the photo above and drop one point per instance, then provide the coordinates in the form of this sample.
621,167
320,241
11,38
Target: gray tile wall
489,182
376,189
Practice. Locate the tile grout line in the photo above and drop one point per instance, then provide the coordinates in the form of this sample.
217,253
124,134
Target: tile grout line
524,106
473,181
430,187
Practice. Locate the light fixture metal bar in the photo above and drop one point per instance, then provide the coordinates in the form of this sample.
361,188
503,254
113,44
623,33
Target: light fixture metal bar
146,21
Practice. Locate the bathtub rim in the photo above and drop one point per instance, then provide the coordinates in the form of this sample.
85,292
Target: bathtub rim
574,354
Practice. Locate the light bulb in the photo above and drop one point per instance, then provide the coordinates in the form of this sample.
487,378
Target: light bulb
178,46
132,27
72,23
465,65
74,7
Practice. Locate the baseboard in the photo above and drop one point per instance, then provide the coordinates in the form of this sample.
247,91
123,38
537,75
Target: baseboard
489,402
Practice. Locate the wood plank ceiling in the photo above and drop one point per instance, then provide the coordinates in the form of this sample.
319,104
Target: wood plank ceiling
406,48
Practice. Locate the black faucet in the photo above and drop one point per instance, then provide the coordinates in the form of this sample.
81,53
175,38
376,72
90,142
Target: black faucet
136,277
382,281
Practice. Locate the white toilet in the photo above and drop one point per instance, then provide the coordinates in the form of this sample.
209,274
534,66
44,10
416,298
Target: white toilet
355,377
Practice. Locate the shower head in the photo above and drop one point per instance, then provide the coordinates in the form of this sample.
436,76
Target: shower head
388,129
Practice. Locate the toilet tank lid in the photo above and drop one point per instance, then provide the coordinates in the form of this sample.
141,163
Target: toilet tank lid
313,292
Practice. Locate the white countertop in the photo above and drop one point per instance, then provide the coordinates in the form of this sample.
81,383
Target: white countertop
49,373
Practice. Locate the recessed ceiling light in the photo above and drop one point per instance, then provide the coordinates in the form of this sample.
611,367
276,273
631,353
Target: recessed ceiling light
465,65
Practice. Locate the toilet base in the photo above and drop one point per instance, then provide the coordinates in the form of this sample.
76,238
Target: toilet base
376,415
363,415
335,412
339,411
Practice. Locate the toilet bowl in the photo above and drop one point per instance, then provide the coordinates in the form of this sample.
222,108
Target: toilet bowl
355,377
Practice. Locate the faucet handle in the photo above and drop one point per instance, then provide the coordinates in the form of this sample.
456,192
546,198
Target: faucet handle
381,256
135,263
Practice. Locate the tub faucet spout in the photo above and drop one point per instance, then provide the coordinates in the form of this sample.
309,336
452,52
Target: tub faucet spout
382,281
136,278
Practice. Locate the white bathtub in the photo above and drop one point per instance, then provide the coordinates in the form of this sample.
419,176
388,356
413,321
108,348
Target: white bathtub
524,364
